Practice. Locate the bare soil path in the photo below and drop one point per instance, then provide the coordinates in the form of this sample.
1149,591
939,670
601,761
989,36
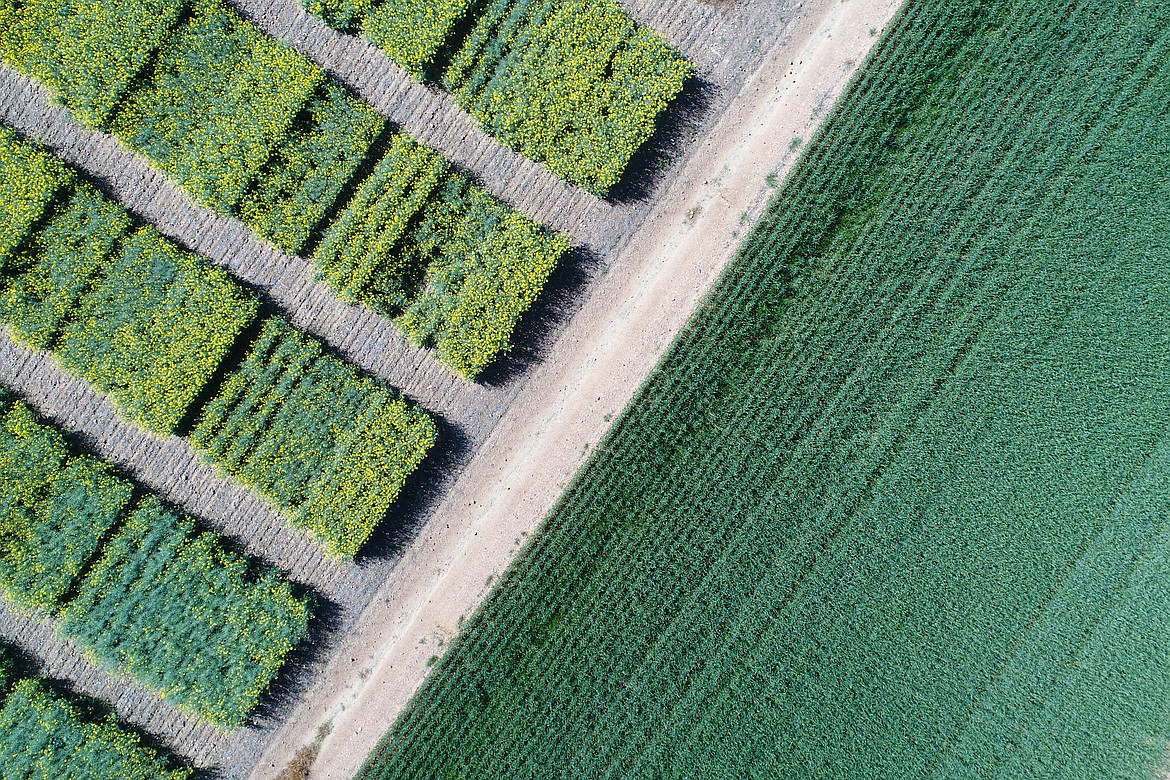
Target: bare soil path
599,360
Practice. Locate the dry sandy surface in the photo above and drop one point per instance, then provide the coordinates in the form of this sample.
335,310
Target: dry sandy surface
600,359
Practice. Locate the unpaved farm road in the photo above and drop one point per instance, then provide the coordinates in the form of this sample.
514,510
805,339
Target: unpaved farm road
594,369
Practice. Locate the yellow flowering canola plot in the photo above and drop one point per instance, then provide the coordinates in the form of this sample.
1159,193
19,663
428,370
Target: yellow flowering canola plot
413,32
574,84
330,447
44,735
200,625
191,620
220,97
28,181
44,281
308,172
86,51
484,281
154,328
457,267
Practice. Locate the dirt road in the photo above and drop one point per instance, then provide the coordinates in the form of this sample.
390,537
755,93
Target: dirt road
602,357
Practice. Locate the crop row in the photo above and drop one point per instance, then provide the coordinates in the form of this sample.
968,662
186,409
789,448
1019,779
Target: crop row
253,130
149,324
45,734
132,582
575,84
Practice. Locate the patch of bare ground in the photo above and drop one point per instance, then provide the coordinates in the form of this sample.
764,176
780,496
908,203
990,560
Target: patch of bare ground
767,73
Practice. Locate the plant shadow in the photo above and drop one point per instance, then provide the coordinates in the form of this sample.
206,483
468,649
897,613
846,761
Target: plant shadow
676,126
540,326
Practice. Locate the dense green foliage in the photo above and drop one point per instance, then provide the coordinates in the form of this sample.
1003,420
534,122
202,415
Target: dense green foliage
55,509
45,736
87,53
254,130
185,617
58,263
171,607
220,97
575,84
154,328
307,174
895,505
330,447
28,182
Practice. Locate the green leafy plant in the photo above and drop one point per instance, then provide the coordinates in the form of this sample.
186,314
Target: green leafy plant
55,509
154,328
189,619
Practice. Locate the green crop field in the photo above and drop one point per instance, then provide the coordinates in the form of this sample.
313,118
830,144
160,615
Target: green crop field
896,503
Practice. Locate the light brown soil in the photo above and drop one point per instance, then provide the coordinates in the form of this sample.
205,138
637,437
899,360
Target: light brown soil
604,353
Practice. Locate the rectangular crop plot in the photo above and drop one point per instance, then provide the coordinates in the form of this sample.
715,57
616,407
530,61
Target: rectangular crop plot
330,447
56,509
479,282
306,175
186,617
154,328
140,590
574,84
44,282
45,735
422,242
221,96
29,180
